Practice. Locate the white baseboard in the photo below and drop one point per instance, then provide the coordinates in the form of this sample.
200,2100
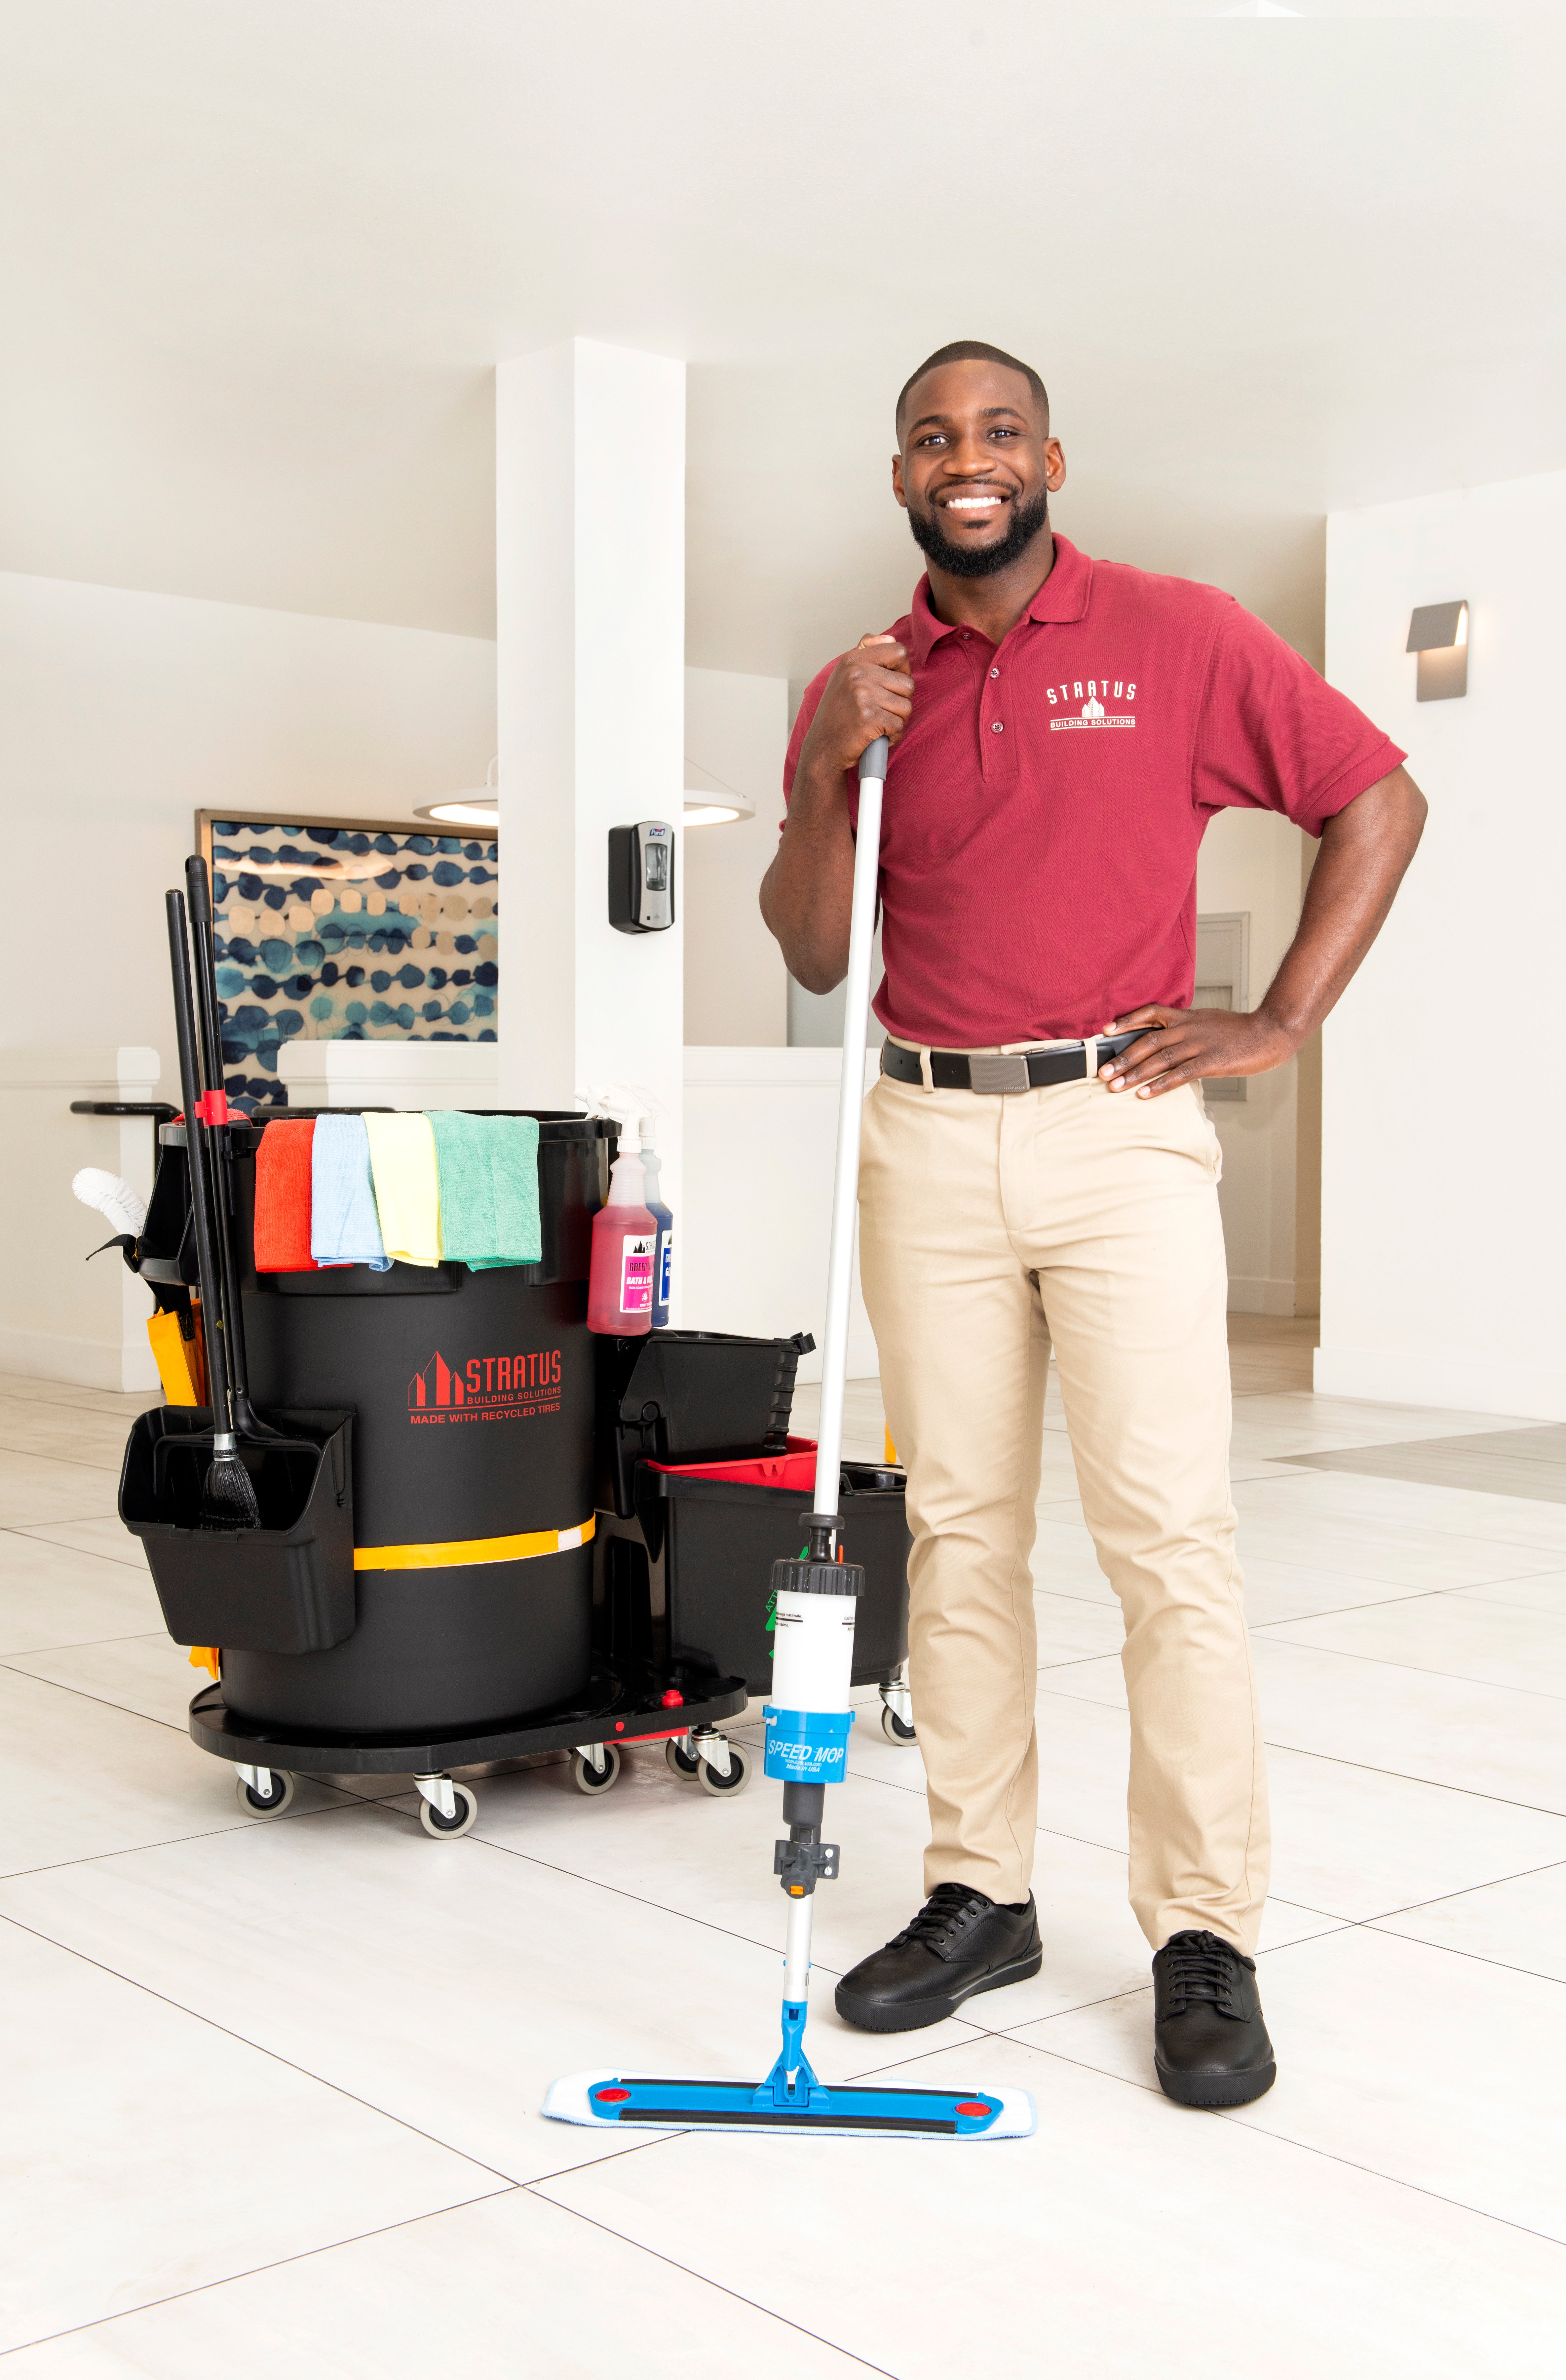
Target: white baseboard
1460,1383
863,1363
81,1362
1249,1293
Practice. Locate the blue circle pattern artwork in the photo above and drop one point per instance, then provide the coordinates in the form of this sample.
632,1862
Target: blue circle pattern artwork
336,934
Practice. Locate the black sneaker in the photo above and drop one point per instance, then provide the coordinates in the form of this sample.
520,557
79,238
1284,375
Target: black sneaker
1209,2042
960,1943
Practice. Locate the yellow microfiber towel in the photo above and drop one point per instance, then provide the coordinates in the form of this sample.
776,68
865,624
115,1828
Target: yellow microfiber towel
408,1197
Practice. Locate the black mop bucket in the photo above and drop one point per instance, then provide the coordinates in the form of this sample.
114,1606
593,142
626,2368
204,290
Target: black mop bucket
472,1469
286,1587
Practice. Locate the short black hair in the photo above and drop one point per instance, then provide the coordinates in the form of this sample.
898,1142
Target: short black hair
962,351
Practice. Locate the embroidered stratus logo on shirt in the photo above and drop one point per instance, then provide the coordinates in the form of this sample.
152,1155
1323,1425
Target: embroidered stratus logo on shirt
1092,713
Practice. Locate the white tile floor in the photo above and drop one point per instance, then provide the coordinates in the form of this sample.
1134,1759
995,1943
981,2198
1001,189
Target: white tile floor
271,2087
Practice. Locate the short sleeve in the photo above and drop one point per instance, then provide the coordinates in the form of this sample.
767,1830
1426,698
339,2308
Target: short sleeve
807,708
1272,734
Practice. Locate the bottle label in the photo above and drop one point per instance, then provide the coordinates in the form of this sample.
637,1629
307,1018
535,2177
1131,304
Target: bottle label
637,1250
666,1258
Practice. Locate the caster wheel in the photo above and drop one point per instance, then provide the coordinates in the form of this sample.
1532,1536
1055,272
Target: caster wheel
894,1728
736,1782
588,1780
264,1805
683,1763
432,1823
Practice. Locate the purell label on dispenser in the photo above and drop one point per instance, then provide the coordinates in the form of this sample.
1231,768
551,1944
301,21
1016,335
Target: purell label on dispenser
638,1251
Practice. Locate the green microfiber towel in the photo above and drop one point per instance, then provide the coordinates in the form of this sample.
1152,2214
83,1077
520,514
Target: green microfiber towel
489,1172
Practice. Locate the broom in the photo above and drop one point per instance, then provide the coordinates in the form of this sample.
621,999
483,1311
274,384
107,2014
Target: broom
228,1493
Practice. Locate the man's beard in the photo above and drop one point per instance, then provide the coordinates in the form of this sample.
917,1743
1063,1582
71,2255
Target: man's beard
980,561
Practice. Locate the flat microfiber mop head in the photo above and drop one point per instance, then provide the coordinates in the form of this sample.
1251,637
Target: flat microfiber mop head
856,2111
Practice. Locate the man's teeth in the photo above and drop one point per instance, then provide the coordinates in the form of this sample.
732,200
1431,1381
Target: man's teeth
972,503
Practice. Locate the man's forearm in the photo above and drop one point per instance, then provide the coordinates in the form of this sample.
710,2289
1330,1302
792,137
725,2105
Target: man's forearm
1363,853
807,894
1364,850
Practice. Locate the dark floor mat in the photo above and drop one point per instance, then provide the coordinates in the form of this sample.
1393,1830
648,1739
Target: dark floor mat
1529,1462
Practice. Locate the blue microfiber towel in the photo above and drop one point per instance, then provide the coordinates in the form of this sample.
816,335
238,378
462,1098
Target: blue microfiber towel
344,1226
488,1170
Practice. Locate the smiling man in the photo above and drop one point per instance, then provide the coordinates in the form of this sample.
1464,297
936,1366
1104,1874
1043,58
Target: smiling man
1038,1166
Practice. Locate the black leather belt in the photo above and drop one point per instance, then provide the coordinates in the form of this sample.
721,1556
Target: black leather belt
1021,1070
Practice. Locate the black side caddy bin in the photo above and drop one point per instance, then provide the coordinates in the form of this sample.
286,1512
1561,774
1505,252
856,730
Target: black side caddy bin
286,1587
689,1396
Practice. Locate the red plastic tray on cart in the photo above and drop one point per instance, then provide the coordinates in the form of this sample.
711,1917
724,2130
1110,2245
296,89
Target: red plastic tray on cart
796,1470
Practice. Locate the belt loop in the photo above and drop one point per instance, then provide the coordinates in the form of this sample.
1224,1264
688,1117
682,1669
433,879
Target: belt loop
926,1076
1091,1053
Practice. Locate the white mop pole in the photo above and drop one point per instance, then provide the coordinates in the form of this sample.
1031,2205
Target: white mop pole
830,1646
851,1100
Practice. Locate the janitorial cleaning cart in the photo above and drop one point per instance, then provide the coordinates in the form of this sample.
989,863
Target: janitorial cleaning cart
425,1520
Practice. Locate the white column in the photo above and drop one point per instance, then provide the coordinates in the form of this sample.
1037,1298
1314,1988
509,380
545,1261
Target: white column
589,558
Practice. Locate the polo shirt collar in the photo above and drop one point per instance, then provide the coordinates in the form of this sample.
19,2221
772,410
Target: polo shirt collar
1064,596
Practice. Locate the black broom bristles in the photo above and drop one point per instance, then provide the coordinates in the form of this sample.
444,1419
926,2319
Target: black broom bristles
228,1495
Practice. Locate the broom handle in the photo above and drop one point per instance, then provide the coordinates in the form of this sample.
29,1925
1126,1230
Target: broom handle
210,1039
851,1101
206,1270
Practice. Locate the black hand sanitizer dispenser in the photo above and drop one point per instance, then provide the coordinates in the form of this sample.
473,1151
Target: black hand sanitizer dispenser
642,877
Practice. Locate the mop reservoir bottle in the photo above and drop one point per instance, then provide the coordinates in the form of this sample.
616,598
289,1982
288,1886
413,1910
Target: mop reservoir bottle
808,1715
624,1253
663,1264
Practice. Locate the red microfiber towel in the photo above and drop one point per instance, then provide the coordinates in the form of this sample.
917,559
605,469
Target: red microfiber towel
283,1178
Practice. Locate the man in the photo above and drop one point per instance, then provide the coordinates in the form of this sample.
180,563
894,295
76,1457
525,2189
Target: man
1038,1165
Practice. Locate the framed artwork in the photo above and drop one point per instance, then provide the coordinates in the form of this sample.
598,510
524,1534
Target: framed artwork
344,929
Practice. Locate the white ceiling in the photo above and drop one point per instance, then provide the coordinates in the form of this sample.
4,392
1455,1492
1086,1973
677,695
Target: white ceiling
259,256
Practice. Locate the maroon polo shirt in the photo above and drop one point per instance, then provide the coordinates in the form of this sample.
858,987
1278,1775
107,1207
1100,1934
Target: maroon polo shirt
1045,807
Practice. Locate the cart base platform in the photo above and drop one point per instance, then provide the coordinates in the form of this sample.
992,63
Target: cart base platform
617,1708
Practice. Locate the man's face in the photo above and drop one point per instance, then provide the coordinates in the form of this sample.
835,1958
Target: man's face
978,466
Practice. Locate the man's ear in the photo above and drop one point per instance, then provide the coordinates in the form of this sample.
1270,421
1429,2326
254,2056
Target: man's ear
897,488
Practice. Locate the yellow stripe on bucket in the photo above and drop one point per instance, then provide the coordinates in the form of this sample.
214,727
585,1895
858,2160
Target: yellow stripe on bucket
459,1550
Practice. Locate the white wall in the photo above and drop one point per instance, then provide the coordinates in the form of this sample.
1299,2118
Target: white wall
66,1314
121,714
1250,861
1443,1143
753,1241
736,985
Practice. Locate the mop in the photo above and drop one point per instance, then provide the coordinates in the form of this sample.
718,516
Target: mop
809,1716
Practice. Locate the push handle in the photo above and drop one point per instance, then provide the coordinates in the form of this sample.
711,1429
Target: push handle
851,1100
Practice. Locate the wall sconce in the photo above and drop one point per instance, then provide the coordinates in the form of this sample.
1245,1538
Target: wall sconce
711,802
1439,634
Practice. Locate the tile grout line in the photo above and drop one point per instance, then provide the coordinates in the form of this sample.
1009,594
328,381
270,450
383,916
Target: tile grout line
1307,2148
252,2271
173,1843
1304,1752
596,2224
1408,1669
507,2181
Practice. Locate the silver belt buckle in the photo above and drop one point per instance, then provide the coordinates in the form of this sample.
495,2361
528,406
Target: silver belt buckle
999,1074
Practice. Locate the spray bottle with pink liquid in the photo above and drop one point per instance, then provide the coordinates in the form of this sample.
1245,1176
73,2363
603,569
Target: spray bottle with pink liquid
620,1285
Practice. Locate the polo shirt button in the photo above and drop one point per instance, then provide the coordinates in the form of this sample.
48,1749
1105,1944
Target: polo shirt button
994,673
997,727
964,635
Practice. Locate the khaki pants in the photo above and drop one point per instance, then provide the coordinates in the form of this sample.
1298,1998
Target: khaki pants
989,1226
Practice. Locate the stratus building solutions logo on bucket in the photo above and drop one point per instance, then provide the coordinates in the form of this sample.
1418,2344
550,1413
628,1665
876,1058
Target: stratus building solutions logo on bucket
1093,712
487,1388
